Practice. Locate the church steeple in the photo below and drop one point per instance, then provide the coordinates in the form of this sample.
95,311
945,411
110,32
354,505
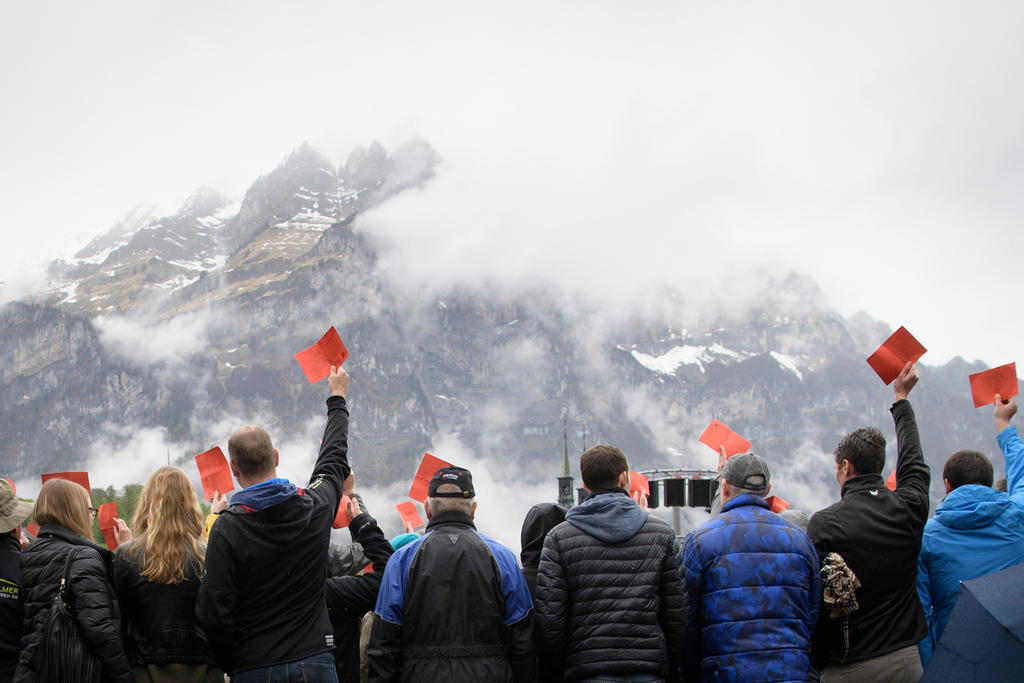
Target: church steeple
565,480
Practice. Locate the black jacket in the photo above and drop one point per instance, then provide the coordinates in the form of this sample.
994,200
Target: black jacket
609,592
261,601
453,608
878,533
11,610
92,599
350,597
158,620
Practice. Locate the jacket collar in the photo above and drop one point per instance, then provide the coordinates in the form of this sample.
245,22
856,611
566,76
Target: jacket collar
745,499
863,482
450,517
68,536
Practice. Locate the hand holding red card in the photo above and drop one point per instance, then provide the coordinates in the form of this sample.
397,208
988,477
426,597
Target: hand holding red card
410,516
890,483
717,435
316,361
80,478
776,504
1001,380
105,515
342,518
214,472
421,482
894,353
638,483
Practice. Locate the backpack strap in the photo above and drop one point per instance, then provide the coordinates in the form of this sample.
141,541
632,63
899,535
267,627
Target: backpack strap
65,577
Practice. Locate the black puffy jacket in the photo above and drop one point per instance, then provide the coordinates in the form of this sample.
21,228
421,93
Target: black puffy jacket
92,599
609,593
159,619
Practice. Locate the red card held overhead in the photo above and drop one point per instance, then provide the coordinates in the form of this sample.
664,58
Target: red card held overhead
895,352
105,515
717,435
410,515
342,519
776,504
13,490
214,472
420,483
639,483
1001,380
80,478
316,361
890,483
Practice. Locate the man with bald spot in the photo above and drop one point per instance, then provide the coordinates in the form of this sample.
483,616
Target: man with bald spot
262,598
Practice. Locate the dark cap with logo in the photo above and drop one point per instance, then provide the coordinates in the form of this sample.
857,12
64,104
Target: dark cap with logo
451,475
747,471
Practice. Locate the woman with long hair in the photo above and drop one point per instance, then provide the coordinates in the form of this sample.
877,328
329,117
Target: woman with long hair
64,514
157,576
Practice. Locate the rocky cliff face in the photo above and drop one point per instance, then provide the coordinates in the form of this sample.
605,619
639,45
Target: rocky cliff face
183,322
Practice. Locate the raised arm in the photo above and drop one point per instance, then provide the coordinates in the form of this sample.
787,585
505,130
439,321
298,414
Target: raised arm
1011,446
912,474
332,464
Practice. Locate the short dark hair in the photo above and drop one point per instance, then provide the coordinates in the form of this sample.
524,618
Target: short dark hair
601,466
251,450
967,467
864,448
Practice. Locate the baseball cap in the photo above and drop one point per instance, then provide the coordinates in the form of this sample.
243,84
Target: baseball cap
12,511
747,471
451,475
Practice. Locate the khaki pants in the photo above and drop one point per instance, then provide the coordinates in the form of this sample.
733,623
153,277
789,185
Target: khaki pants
901,666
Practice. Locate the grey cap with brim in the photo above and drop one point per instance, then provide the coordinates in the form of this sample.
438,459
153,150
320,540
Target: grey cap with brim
747,471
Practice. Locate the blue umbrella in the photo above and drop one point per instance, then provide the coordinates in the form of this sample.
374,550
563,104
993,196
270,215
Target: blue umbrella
984,638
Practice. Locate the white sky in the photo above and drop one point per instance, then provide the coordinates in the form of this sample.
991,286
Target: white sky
876,146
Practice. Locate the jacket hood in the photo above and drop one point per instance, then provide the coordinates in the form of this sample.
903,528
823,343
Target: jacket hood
542,518
610,515
971,506
263,495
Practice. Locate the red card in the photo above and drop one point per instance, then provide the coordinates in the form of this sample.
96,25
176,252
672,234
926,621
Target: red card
106,515
32,528
890,483
341,519
638,482
214,472
898,350
13,490
316,361
80,478
776,504
410,516
421,482
1001,380
717,434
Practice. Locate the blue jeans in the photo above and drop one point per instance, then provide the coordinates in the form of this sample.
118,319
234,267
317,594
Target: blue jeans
315,669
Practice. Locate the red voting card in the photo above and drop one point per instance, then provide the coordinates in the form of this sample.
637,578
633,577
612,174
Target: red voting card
717,434
13,490
80,478
342,519
420,483
410,516
776,504
890,483
32,528
639,483
106,515
1001,380
898,350
214,472
316,361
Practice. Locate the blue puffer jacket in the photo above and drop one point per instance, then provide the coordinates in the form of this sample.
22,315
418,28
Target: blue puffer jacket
976,530
754,596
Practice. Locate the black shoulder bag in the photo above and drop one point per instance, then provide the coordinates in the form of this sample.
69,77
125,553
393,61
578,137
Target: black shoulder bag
63,655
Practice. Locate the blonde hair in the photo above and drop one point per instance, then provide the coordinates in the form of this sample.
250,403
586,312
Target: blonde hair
167,527
65,504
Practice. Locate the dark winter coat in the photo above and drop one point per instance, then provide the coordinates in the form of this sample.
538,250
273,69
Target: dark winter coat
541,518
158,620
453,608
92,599
609,592
11,609
878,533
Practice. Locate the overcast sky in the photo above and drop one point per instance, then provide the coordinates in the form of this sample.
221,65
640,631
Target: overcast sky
876,146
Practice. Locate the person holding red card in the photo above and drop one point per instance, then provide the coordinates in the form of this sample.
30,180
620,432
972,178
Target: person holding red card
877,533
156,577
262,600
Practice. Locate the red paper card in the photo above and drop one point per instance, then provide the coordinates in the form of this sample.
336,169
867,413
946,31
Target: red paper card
420,483
80,478
776,504
32,528
638,482
890,483
106,515
13,490
717,434
410,515
214,472
1001,380
895,352
341,519
316,361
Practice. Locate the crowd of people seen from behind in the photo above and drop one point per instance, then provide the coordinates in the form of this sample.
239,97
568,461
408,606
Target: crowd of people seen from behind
603,591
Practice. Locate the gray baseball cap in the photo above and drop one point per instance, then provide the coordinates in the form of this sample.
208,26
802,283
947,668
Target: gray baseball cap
747,471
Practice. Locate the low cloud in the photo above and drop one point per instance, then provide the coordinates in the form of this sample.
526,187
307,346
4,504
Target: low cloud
146,343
